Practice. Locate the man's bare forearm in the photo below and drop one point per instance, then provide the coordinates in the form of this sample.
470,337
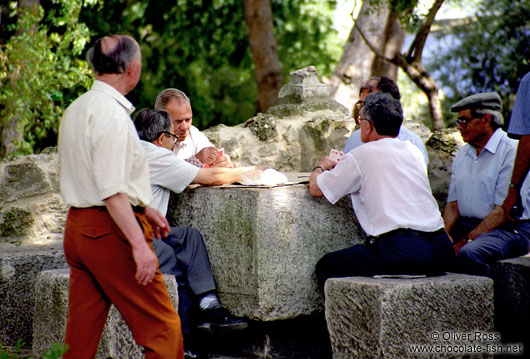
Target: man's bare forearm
494,219
121,212
522,161
450,215
214,176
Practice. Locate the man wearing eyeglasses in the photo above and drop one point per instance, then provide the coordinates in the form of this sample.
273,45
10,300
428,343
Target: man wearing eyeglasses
192,146
385,85
387,182
183,252
480,179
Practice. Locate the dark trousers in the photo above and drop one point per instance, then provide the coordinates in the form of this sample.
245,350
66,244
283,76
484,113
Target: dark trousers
402,251
184,254
102,271
462,227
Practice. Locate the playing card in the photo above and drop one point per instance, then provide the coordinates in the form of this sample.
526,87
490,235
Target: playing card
335,155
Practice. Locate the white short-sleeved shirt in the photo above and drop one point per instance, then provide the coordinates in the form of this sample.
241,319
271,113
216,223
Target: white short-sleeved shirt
192,144
167,173
479,183
99,150
388,185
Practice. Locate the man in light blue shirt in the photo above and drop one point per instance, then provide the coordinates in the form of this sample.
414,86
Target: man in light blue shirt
479,182
385,85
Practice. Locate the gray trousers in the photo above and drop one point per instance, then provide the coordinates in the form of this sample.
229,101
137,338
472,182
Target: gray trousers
183,254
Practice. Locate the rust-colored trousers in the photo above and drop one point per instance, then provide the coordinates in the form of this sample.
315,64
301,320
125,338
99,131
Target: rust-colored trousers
102,271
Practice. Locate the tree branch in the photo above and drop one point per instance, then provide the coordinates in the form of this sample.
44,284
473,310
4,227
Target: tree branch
369,44
416,47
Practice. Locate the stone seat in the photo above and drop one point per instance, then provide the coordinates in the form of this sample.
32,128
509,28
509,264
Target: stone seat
380,318
19,267
50,311
512,299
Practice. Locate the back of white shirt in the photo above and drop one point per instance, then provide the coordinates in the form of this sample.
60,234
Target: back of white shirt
388,184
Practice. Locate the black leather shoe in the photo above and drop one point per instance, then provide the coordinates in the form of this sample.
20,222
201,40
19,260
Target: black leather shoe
220,319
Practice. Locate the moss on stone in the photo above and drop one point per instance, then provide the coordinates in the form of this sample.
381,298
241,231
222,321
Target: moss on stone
17,223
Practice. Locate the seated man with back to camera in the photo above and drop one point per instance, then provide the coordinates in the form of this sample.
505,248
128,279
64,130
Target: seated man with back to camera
480,179
192,145
386,179
183,252
385,85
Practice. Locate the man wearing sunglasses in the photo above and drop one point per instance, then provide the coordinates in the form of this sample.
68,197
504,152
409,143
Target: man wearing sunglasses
183,252
385,85
480,179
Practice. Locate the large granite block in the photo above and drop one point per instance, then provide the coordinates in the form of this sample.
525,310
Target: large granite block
512,299
51,308
264,244
381,318
19,268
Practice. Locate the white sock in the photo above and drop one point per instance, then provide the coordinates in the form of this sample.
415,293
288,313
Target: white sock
209,301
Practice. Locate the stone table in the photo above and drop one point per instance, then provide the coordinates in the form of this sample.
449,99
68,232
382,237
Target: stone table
264,243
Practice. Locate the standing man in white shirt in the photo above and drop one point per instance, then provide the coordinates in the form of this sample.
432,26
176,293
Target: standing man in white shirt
109,229
386,179
183,252
192,145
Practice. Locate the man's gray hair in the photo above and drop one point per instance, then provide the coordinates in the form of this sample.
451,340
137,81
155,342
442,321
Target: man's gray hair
384,112
117,60
497,120
150,124
169,94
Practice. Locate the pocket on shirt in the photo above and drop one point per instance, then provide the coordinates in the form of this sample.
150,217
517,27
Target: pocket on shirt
96,232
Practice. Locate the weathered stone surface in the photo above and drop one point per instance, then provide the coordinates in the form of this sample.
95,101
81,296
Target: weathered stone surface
31,209
303,87
442,147
264,243
292,136
379,318
51,308
512,300
18,269
291,144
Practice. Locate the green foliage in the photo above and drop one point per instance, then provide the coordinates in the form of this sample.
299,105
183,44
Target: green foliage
40,71
490,54
201,47
18,352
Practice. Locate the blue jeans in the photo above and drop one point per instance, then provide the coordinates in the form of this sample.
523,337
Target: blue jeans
508,241
402,251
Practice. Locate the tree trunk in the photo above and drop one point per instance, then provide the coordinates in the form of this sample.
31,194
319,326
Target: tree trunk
258,16
393,40
419,75
358,63
12,130
412,66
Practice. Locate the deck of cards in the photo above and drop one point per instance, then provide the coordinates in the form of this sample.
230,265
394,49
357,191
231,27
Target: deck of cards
335,155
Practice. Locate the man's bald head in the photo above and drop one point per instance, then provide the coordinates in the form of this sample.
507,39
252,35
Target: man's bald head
113,54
